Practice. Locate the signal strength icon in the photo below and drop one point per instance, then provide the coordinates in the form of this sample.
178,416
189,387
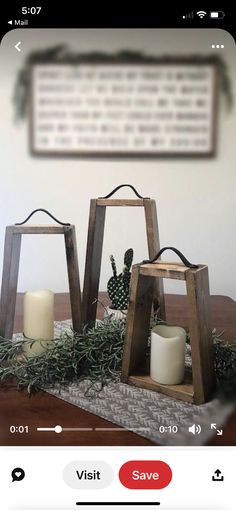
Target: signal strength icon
190,15
201,14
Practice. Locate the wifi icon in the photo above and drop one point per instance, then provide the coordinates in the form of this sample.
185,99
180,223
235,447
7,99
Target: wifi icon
201,14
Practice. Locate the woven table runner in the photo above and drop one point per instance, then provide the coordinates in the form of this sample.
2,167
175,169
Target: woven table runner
145,411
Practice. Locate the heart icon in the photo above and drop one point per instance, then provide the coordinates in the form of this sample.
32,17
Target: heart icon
18,474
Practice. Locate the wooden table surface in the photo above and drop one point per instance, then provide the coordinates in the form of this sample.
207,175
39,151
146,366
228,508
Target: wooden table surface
43,410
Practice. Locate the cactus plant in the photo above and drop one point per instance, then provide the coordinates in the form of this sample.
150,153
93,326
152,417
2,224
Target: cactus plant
118,284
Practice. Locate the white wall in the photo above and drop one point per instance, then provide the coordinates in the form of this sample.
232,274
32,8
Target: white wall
195,197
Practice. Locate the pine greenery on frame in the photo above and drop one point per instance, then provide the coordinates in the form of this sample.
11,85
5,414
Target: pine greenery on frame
95,355
62,54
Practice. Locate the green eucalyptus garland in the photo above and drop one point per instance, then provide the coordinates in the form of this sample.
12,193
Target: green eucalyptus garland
95,355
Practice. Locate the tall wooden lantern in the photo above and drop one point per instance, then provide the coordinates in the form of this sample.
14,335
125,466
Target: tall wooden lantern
198,382
95,244
11,261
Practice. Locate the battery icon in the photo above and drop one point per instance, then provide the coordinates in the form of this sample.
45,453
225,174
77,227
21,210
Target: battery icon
217,14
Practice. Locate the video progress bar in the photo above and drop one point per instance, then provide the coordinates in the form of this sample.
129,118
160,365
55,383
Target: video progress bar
59,429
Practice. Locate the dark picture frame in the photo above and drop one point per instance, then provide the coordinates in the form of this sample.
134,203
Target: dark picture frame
126,60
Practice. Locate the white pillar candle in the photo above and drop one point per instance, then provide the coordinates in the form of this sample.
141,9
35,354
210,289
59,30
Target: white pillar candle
167,354
38,320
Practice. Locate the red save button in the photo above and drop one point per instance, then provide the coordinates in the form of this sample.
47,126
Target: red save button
145,474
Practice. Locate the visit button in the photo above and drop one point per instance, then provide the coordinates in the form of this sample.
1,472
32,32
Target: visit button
145,474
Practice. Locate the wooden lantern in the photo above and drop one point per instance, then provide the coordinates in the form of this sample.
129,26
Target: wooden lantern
95,244
199,381
11,269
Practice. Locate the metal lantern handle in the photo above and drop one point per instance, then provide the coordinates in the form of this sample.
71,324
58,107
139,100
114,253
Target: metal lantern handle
123,186
46,212
175,250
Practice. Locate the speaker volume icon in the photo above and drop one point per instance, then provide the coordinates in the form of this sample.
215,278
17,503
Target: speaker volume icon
195,429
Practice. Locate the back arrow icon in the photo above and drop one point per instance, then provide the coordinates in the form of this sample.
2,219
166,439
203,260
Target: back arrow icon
17,46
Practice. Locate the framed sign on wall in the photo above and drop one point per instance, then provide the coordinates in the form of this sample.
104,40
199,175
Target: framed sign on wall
113,108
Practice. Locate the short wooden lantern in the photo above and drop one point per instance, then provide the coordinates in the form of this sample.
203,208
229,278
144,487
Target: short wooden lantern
199,381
